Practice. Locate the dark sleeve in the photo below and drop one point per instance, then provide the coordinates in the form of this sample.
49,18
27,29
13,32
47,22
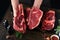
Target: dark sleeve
46,5
27,2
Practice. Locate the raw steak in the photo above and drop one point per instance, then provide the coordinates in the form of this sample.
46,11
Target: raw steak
48,20
34,17
19,21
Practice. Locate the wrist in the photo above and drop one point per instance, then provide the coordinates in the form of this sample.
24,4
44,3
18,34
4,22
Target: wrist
14,13
37,3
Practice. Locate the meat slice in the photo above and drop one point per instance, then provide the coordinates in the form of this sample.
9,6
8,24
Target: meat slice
34,17
48,20
19,21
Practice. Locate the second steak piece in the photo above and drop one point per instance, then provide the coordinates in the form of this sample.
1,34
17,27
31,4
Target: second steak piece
19,21
34,17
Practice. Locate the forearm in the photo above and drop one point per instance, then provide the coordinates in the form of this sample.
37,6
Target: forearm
37,3
14,5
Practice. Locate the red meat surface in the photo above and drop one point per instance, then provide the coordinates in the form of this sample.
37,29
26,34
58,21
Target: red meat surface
19,21
48,20
34,17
